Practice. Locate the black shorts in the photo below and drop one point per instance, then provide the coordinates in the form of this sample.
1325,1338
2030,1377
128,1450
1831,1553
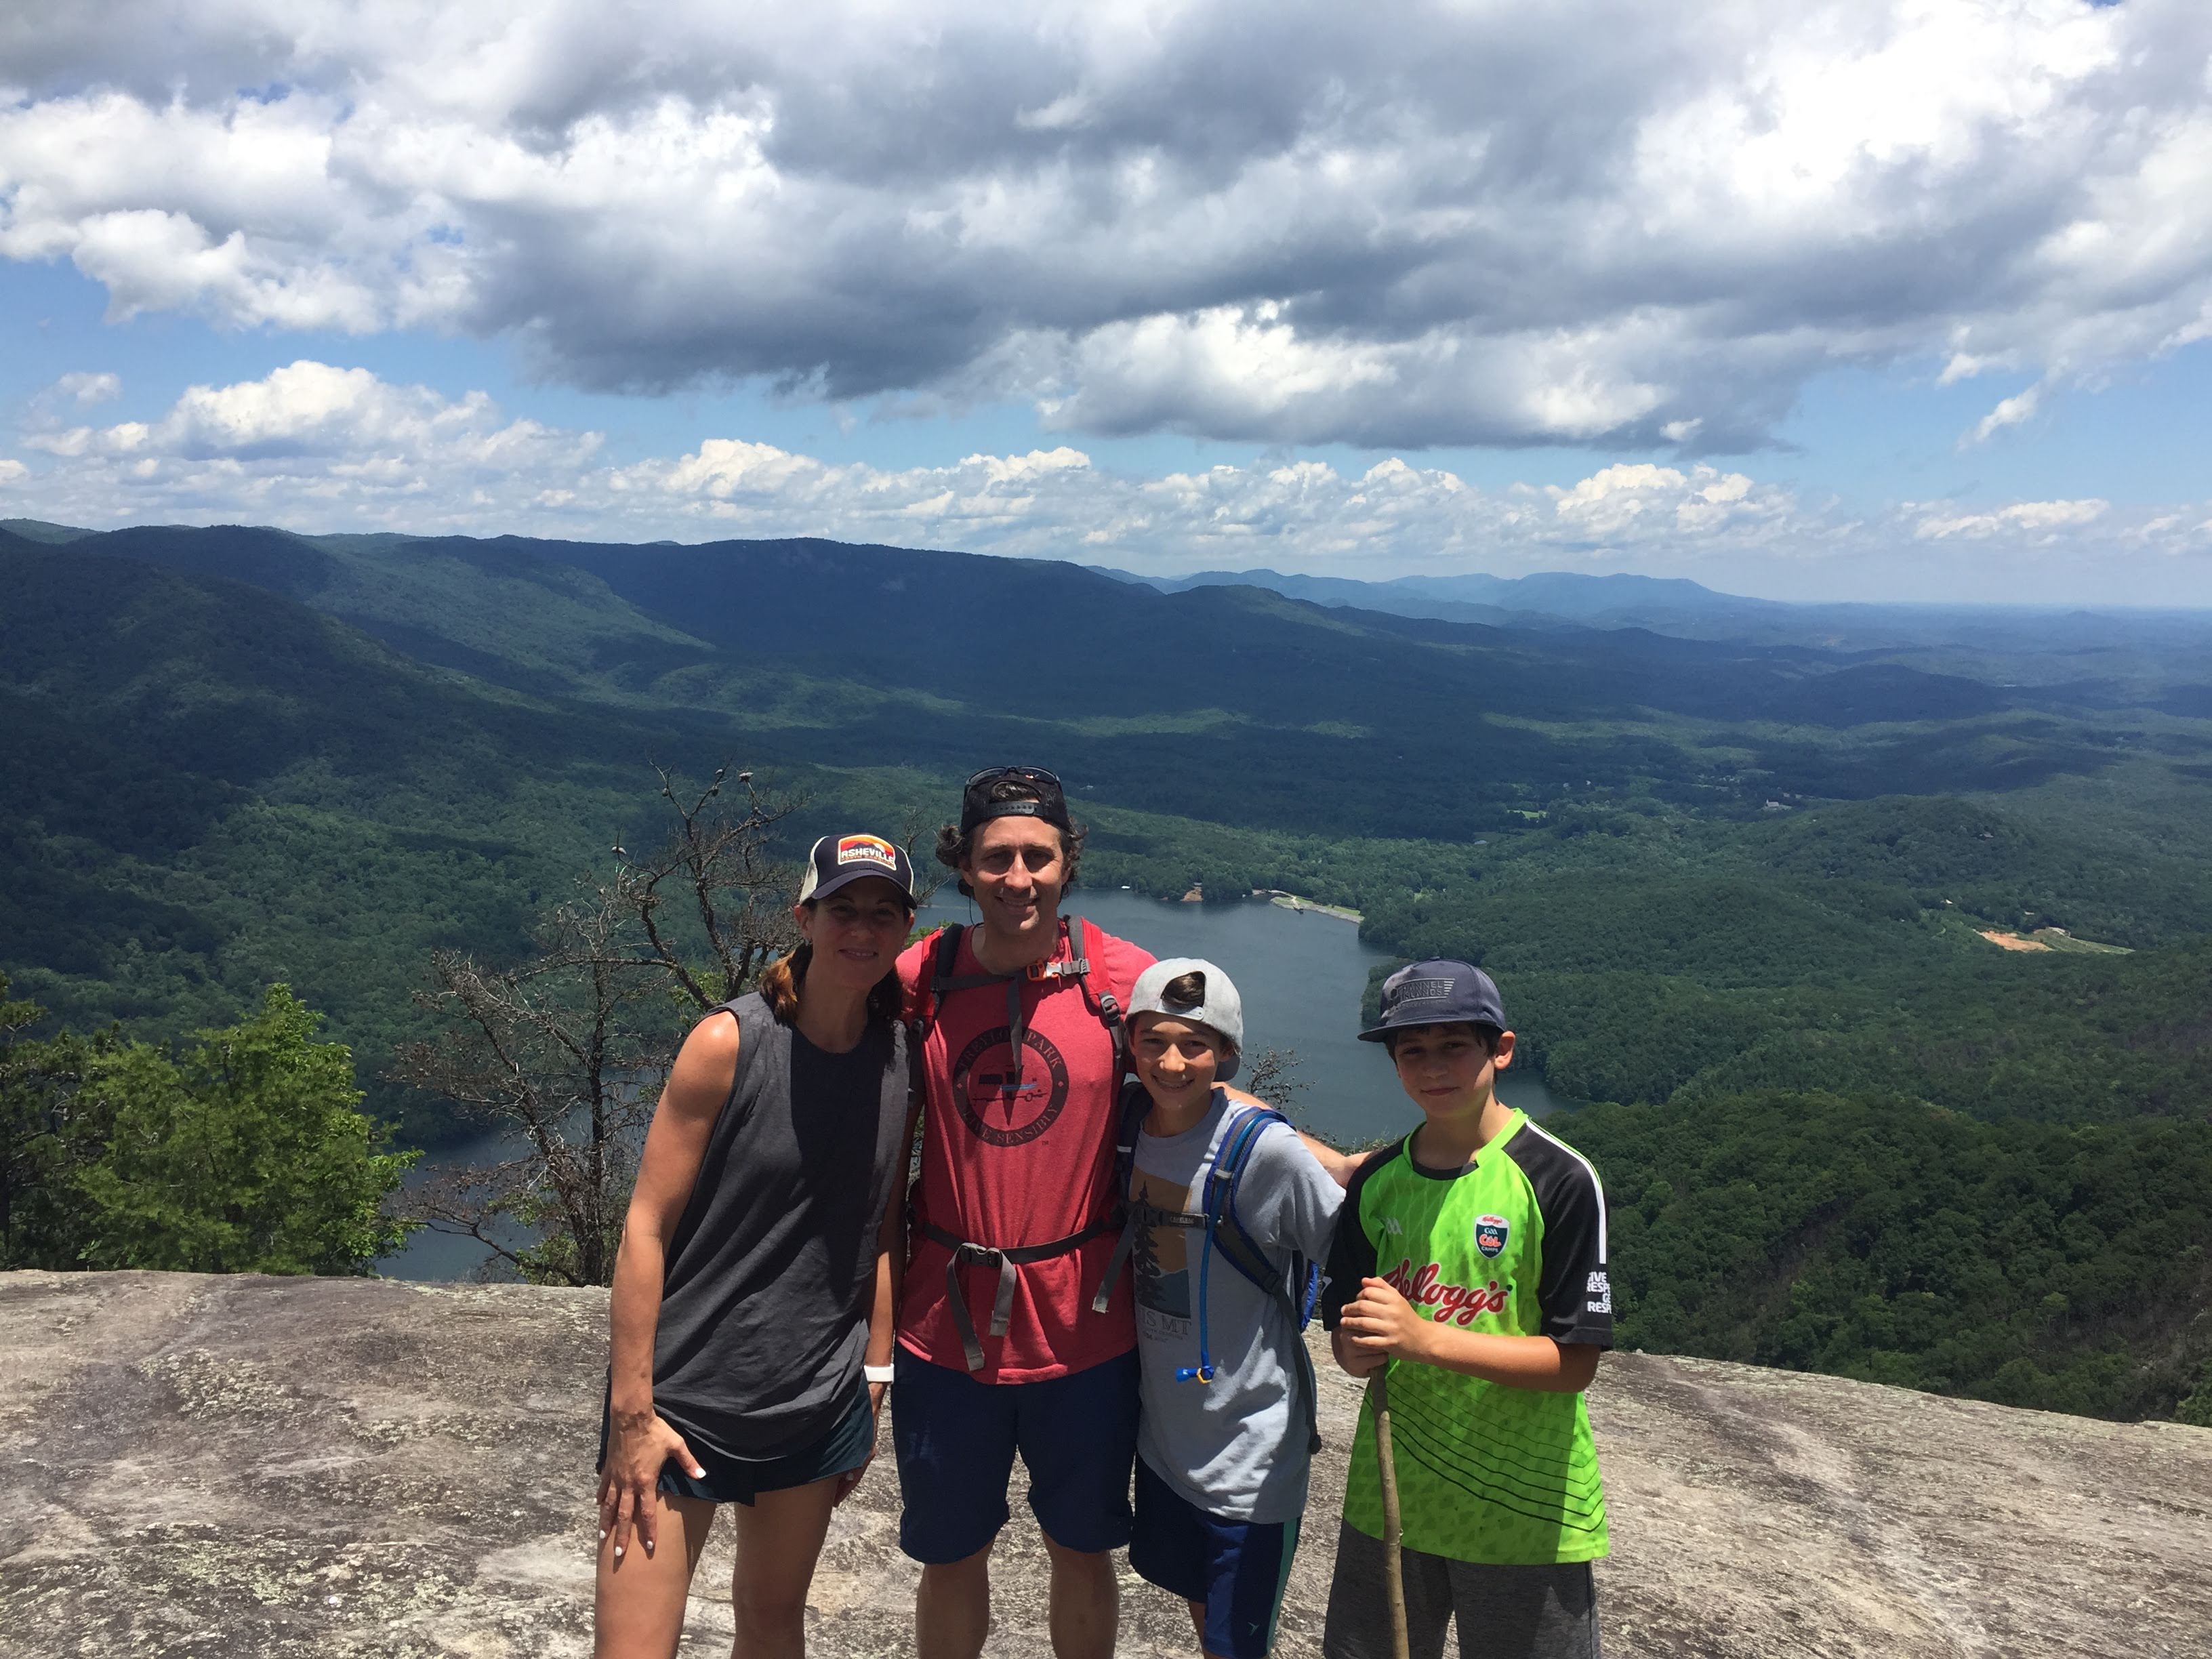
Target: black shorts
740,1480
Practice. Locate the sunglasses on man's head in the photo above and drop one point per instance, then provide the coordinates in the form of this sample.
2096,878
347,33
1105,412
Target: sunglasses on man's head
1026,773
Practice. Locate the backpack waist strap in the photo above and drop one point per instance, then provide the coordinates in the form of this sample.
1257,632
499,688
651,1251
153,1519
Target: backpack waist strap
1002,1305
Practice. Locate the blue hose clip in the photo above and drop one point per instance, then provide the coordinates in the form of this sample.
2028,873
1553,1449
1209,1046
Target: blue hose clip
1203,1371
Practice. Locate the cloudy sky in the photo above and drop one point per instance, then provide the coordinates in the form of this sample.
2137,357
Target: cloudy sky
1862,300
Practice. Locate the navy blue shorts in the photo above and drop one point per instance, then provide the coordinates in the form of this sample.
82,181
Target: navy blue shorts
1235,1570
956,1438
740,1480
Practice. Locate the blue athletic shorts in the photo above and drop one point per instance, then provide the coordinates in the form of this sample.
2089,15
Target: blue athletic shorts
1235,1570
956,1440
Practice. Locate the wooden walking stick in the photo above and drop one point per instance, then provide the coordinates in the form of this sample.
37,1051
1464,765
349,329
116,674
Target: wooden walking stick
1393,1565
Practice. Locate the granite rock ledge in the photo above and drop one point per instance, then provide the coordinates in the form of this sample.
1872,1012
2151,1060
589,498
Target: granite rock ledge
248,1466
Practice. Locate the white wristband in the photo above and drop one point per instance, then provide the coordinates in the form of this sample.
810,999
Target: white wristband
877,1373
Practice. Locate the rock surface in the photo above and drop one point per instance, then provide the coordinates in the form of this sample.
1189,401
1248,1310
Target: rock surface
318,1467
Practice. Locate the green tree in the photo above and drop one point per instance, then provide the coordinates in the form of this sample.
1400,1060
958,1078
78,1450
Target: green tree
40,1209
2197,1408
244,1154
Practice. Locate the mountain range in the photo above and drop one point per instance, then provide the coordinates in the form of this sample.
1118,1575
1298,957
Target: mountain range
1878,928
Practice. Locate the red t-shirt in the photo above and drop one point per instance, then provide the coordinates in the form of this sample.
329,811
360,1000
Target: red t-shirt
1013,1157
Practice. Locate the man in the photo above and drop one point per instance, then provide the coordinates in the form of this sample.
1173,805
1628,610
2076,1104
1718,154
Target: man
999,1350
1004,1343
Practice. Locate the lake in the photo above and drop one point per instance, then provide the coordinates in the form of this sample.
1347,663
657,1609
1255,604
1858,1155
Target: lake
1301,973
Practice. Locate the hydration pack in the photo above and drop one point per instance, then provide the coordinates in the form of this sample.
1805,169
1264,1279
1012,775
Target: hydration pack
1295,1291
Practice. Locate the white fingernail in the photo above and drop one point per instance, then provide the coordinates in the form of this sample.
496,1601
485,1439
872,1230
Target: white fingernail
698,1474
618,1552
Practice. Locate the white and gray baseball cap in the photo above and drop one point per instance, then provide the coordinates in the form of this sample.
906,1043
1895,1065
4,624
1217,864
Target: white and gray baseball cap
1220,1008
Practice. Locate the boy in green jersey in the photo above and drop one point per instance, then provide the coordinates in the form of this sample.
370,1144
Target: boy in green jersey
1470,1261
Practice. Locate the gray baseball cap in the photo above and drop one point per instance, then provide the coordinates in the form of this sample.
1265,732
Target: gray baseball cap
1221,1009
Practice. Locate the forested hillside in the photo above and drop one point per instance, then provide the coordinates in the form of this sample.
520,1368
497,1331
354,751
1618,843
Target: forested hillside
1745,882
1878,1237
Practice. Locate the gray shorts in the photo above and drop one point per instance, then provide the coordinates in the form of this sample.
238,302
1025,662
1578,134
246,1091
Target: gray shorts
1503,1613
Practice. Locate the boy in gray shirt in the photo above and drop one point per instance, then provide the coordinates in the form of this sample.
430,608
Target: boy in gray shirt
1223,1439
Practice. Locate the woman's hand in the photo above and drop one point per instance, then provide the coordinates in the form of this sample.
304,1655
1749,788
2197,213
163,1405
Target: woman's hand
849,1482
639,1442
1381,1324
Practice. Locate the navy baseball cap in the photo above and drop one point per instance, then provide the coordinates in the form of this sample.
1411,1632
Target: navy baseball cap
1440,993
839,860
1050,804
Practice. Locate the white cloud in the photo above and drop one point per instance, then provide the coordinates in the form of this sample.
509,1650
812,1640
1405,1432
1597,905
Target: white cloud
81,388
2009,411
2029,517
306,442
1581,224
318,447
1620,499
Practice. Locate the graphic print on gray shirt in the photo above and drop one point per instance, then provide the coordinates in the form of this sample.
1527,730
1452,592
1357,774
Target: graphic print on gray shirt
1235,1447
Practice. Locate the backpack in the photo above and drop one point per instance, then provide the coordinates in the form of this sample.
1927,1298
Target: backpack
941,981
1295,1291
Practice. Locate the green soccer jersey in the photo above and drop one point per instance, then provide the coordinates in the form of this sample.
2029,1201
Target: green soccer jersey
1514,1245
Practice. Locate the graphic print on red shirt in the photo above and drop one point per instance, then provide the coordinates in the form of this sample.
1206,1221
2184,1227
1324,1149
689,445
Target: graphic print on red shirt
1016,1153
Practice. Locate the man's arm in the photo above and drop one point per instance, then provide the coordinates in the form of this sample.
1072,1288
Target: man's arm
1342,1166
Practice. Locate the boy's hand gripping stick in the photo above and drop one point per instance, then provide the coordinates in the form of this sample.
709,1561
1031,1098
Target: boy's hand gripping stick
1393,1565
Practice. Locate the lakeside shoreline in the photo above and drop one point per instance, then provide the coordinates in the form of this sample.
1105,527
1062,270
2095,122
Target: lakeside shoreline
1295,902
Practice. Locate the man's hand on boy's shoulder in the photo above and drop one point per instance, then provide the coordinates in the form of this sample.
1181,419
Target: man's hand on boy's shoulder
1342,1167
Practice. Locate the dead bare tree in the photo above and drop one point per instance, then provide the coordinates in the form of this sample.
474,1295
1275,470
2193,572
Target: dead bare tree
562,1056
1271,1079
716,872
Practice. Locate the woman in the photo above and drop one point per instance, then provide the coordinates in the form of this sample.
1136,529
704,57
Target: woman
753,1292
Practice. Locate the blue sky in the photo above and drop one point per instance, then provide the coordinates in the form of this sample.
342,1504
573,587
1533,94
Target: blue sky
1920,308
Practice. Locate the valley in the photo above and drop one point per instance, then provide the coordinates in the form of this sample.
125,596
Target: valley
1747,866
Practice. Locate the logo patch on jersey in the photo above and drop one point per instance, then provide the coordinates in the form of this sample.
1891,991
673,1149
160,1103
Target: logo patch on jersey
1489,1234
865,849
1600,1292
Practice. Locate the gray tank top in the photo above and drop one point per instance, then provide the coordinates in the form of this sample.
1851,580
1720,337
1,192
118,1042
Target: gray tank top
764,1307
